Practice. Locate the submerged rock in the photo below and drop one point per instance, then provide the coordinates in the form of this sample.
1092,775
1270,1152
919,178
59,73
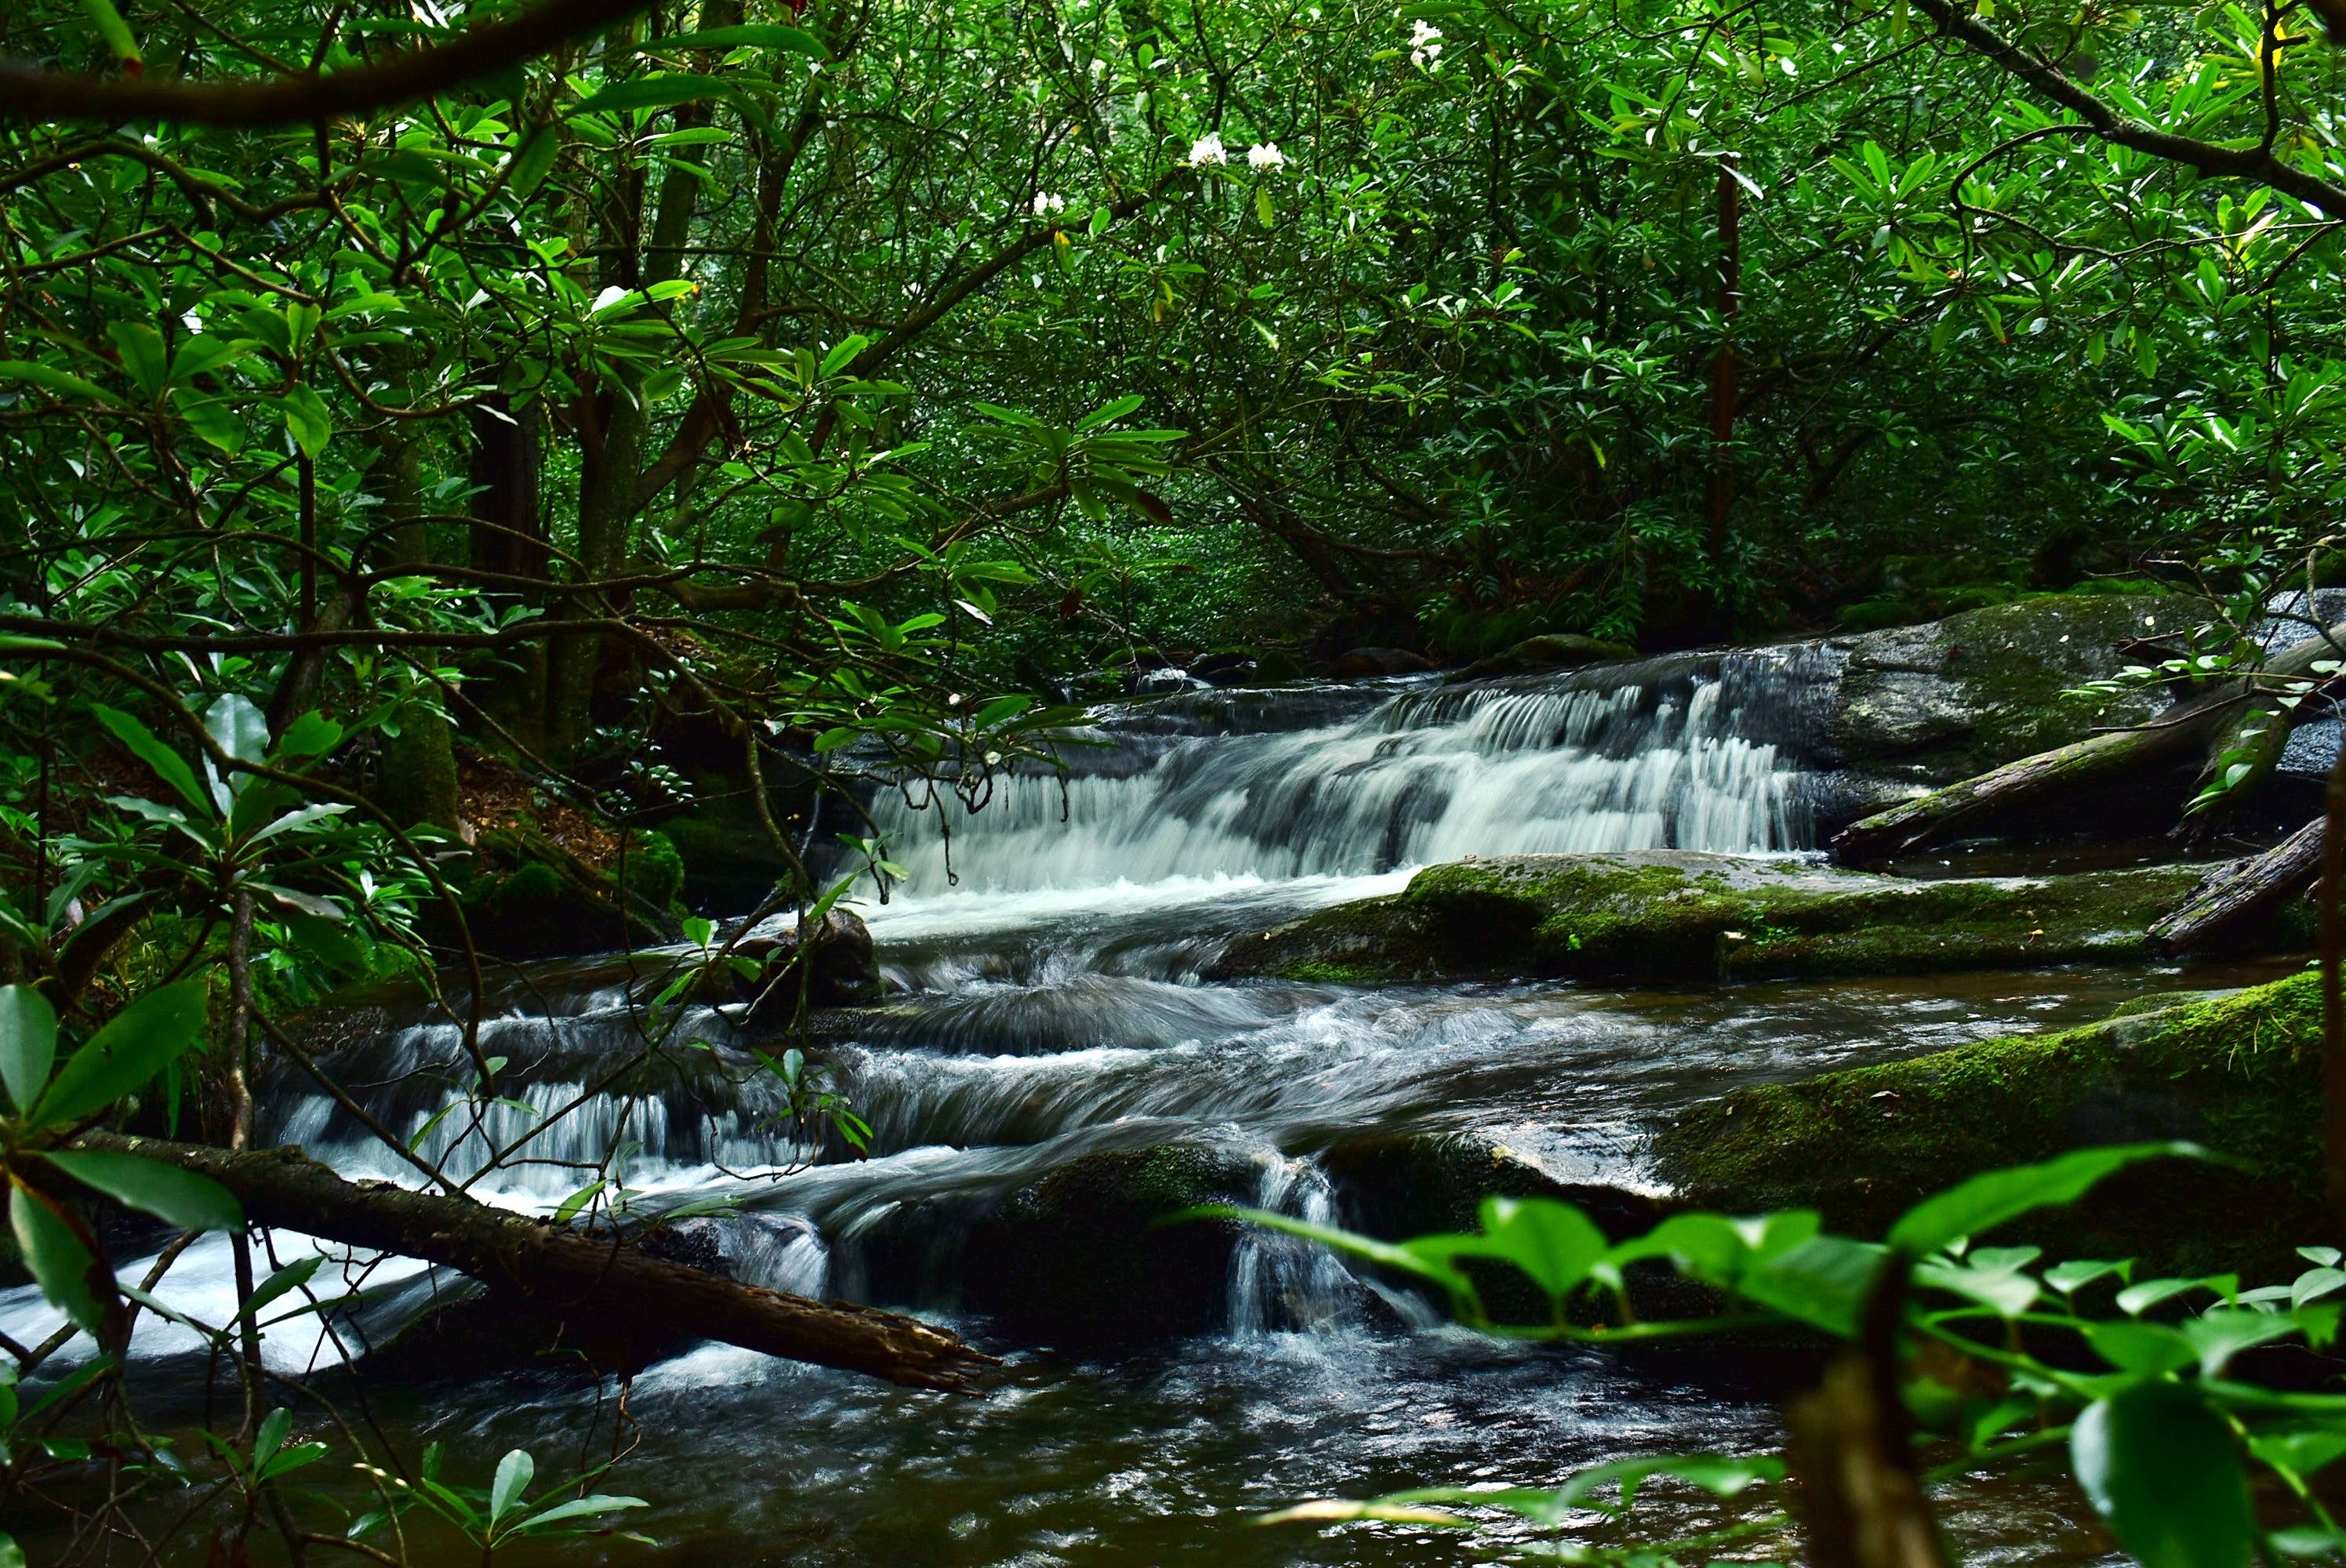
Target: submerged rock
1535,656
1084,1253
2240,1074
1668,914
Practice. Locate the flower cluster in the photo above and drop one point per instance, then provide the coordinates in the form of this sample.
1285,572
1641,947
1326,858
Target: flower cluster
1046,204
1424,44
1208,151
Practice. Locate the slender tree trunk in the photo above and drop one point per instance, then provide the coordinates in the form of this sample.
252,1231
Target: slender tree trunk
415,772
1722,364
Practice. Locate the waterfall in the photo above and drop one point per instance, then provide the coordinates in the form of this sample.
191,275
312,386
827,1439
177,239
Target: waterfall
1284,1282
1698,752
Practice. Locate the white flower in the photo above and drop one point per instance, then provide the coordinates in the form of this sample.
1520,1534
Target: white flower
1046,204
1266,155
1424,32
1209,150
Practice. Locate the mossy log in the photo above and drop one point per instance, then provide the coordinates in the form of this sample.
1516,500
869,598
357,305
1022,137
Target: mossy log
566,1274
2240,1074
2241,893
2208,721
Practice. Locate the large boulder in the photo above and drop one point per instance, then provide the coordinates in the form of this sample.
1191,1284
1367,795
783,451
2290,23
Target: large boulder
1679,915
1932,704
2240,1074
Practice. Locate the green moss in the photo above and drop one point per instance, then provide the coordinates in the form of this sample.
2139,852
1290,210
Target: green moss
2238,1073
1665,915
651,869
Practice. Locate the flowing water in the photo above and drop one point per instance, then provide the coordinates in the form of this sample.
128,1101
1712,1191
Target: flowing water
1045,1003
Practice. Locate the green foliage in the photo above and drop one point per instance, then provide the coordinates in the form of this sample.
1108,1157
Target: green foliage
2161,1430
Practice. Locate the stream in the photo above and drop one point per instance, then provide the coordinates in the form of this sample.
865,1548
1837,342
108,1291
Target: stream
1044,1003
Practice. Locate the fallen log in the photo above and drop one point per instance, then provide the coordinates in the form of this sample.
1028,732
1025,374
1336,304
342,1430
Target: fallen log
2241,889
567,1273
2215,715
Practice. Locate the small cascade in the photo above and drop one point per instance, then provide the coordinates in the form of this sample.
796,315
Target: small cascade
1693,752
1284,1283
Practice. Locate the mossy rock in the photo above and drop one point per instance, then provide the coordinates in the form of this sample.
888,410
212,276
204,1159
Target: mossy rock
651,867
1946,699
1676,915
527,897
1082,1254
1536,655
2240,1074
726,864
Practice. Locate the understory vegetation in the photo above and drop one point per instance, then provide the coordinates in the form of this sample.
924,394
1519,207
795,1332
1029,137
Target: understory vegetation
529,478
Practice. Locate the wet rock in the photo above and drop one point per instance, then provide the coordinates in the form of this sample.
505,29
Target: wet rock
1935,703
1363,663
845,966
1535,656
2240,1074
1679,915
1164,681
1395,1185
1230,667
1081,1255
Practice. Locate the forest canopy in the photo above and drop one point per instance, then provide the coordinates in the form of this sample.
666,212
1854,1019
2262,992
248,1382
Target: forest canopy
443,447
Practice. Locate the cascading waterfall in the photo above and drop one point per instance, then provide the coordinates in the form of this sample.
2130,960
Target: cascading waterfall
1695,753
1050,1010
1283,1282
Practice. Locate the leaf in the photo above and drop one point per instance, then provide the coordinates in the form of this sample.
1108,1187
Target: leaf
189,1199
312,735
241,730
587,1507
59,1263
290,1278
275,1428
167,764
28,1043
2149,1348
2220,1334
1823,1282
514,1474
662,90
48,378
527,169
308,420
1552,1242
141,1040
2162,1469
843,352
754,35
1984,1202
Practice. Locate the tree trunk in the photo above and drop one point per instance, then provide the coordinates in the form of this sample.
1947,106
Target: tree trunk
2238,890
2191,725
567,1273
